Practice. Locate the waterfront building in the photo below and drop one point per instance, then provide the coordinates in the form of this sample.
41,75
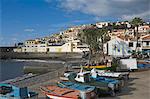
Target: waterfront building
117,47
44,46
146,43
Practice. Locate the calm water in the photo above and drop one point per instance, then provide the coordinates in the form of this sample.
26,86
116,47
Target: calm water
13,68
10,69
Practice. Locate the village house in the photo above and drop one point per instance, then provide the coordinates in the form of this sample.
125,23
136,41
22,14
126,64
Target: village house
43,46
145,43
117,47
116,32
102,24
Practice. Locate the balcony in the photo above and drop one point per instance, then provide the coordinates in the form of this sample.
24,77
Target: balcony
145,47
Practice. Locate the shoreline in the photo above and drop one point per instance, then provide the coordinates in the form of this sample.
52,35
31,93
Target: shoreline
40,55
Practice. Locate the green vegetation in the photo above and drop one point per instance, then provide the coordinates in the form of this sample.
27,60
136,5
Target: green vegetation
95,38
136,22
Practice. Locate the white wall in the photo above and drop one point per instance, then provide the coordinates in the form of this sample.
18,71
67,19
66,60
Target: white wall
17,50
29,49
128,64
67,47
41,48
118,47
80,49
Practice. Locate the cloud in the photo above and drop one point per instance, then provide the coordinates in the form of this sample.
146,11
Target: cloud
125,9
144,15
29,30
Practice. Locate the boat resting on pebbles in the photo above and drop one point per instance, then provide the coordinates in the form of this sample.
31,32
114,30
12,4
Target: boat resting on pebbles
69,90
55,92
87,92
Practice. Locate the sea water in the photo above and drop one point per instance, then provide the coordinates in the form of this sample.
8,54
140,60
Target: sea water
14,67
10,69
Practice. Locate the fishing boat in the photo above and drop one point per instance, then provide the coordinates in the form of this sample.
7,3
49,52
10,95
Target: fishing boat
144,64
55,92
104,73
8,91
86,79
117,83
88,92
102,87
121,76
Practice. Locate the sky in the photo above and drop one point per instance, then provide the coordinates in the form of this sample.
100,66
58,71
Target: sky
21,20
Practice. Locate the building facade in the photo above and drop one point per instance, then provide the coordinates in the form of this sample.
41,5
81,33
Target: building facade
117,48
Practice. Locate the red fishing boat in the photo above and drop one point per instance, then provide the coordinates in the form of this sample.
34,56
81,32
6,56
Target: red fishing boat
55,92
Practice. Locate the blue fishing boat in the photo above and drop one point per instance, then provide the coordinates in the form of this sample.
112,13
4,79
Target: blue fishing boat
87,91
8,91
145,64
117,83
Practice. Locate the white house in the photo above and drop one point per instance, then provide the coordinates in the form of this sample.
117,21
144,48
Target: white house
72,46
146,43
117,48
101,24
79,47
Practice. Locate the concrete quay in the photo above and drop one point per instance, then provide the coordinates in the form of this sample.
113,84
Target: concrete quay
138,87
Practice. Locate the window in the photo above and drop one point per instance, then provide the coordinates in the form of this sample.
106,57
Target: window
78,76
129,51
138,45
147,43
130,44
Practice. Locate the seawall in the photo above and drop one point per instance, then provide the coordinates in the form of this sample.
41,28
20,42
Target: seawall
38,55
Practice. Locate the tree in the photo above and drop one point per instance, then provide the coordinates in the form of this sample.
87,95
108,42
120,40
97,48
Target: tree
95,38
90,37
104,37
136,22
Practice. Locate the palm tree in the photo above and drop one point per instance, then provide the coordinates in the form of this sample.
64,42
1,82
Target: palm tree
136,22
89,36
95,38
104,37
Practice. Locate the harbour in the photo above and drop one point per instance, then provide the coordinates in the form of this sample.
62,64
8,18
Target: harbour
75,49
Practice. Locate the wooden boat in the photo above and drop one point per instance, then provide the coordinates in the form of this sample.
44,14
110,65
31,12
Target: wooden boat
104,73
87,92
55,92
117,83
144,64
121,76
102,87
8,91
